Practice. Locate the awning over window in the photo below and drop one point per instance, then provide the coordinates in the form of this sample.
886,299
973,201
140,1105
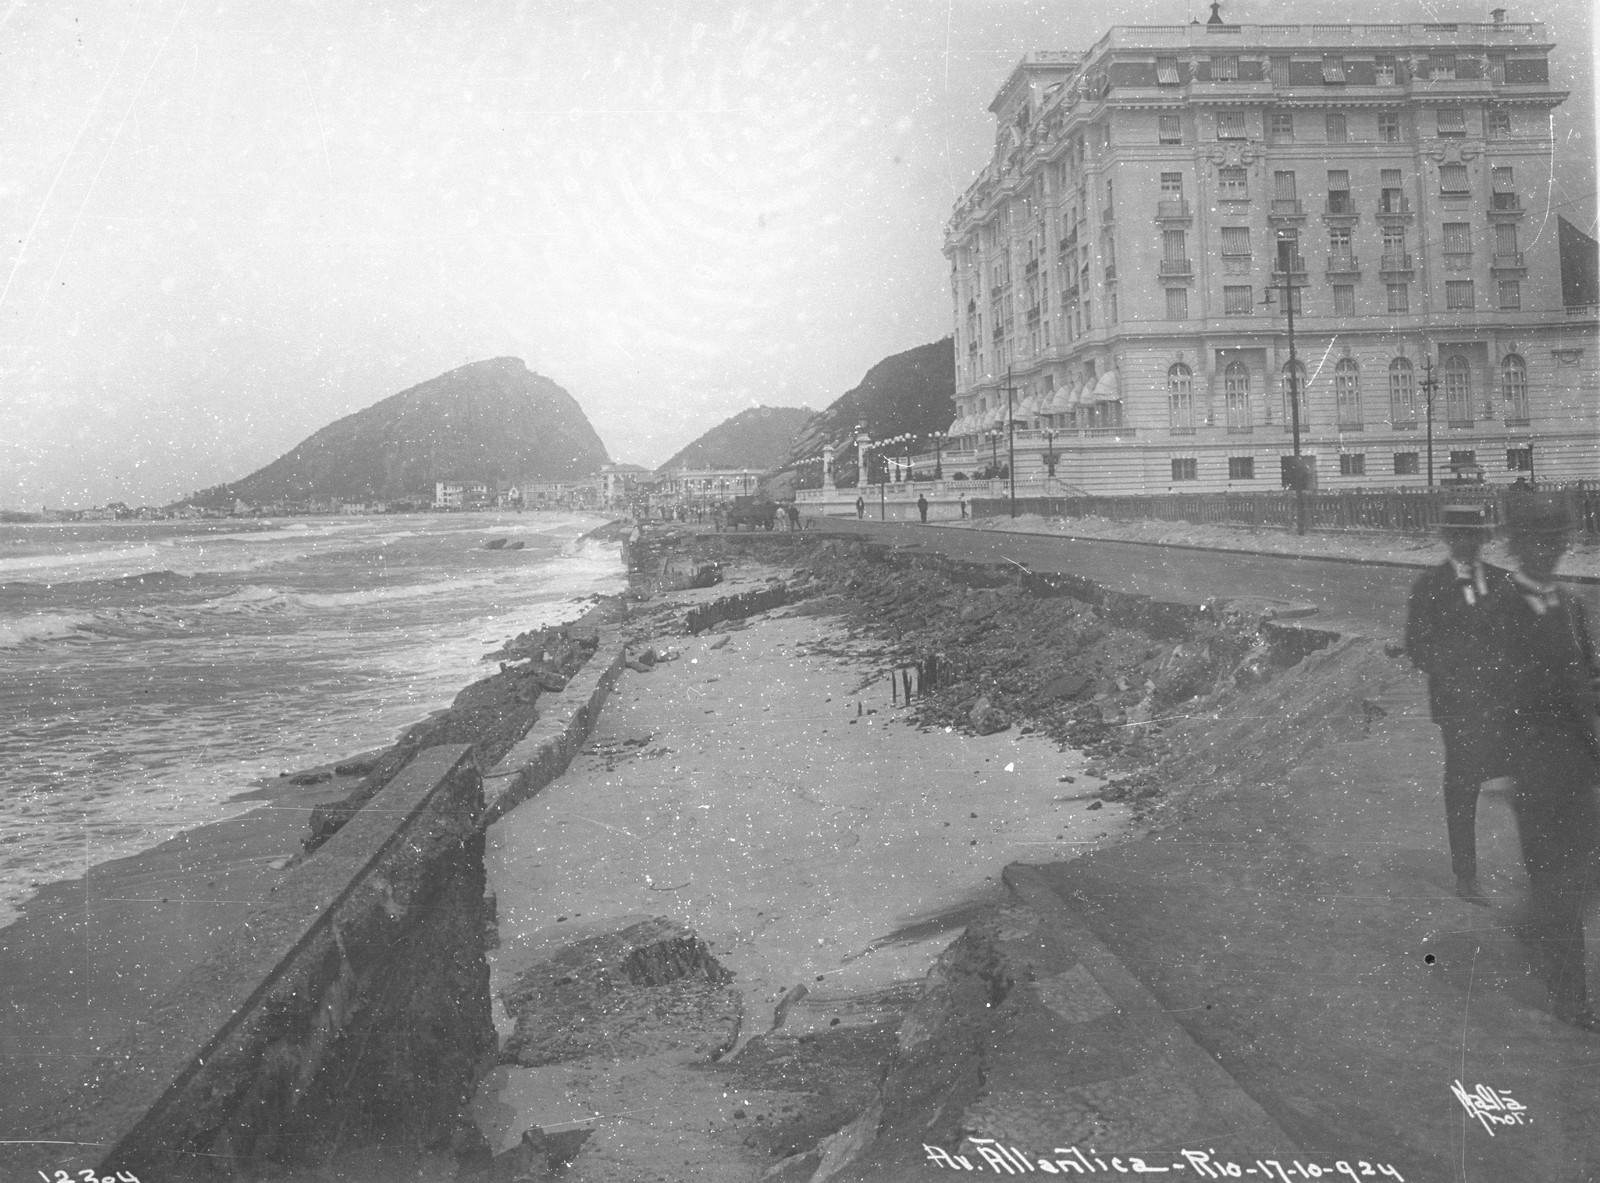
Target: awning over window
1108,389
1167,71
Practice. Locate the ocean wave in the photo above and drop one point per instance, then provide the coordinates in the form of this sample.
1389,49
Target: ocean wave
83,562
402,591
19,631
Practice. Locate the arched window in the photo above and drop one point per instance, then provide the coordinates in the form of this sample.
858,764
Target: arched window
1514,386
1236,387
1401,407
1294,383
1347,392
1180,397
1458,389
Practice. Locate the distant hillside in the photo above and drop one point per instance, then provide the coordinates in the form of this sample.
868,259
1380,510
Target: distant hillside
911,392
757,438
491,420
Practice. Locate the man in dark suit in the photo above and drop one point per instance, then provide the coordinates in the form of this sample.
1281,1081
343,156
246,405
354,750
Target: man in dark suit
1549,675
1448,638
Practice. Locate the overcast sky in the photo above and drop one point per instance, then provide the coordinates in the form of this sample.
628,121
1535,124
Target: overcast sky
227,224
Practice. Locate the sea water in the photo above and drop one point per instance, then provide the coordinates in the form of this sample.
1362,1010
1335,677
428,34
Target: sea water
151,672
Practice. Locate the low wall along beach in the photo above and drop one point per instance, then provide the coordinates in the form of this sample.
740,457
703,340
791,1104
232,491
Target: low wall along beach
354,1009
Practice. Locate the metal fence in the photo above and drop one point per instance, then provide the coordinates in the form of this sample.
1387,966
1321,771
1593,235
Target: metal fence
1406,512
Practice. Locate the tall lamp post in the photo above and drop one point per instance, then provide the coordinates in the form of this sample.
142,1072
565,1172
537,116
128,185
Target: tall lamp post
1050,451
883,481
1011,443
1428,384
994,452
938,455
1287,260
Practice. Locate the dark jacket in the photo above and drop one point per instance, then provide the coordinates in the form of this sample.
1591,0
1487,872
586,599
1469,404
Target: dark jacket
1550,673
1455,644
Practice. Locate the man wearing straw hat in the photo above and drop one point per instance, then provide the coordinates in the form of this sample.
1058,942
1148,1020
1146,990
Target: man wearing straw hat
1549,676
1448,637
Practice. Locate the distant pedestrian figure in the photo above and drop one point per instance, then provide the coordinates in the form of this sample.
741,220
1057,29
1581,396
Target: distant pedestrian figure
963,507
922,507
1449,638
861,508
1551,675
792,512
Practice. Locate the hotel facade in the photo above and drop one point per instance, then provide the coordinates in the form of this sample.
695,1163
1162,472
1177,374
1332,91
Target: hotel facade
1124,269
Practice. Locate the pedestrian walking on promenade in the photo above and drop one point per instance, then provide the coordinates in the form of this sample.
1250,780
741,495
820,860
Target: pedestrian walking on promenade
792,512
861,508
1550,676
1449,625
922,507
963,507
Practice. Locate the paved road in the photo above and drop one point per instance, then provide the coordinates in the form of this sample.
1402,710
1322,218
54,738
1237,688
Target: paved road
1351,597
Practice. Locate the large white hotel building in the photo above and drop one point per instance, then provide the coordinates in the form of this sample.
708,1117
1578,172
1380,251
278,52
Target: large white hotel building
1121,265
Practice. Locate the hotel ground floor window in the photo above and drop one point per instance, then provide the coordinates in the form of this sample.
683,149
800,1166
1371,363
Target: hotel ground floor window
1406,463
1236,387
1463,458
1458,389
1517,459
1401,408
1352,464
1185,469
1241,468
1180,398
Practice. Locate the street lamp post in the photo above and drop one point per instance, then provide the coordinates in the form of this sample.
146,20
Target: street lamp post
1428,383
1011,443
1050,451
994,450
1287,260
938,455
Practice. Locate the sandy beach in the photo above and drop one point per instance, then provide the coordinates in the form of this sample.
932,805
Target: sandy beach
765,790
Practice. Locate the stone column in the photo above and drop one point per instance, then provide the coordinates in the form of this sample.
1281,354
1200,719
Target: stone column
862,440
827,467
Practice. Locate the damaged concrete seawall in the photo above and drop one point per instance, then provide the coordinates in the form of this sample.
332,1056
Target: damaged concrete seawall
1288,640
354,1009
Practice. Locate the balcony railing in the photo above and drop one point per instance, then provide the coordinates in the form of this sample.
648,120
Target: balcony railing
1343,262
1176,267
1395,262
1340,203
1395,205
1292,263
1288,207
1505,201
1176,208
1512,259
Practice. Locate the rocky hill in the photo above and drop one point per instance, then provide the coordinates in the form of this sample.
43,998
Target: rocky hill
490,420
910,392
757,438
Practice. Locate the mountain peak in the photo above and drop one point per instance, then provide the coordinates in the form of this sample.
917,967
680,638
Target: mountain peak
489,420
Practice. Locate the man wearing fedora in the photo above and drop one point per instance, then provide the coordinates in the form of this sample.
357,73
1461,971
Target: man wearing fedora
1549,677
1449,626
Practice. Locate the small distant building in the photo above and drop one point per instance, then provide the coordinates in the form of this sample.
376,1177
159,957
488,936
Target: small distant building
700,486
542,494
621,483
454,494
